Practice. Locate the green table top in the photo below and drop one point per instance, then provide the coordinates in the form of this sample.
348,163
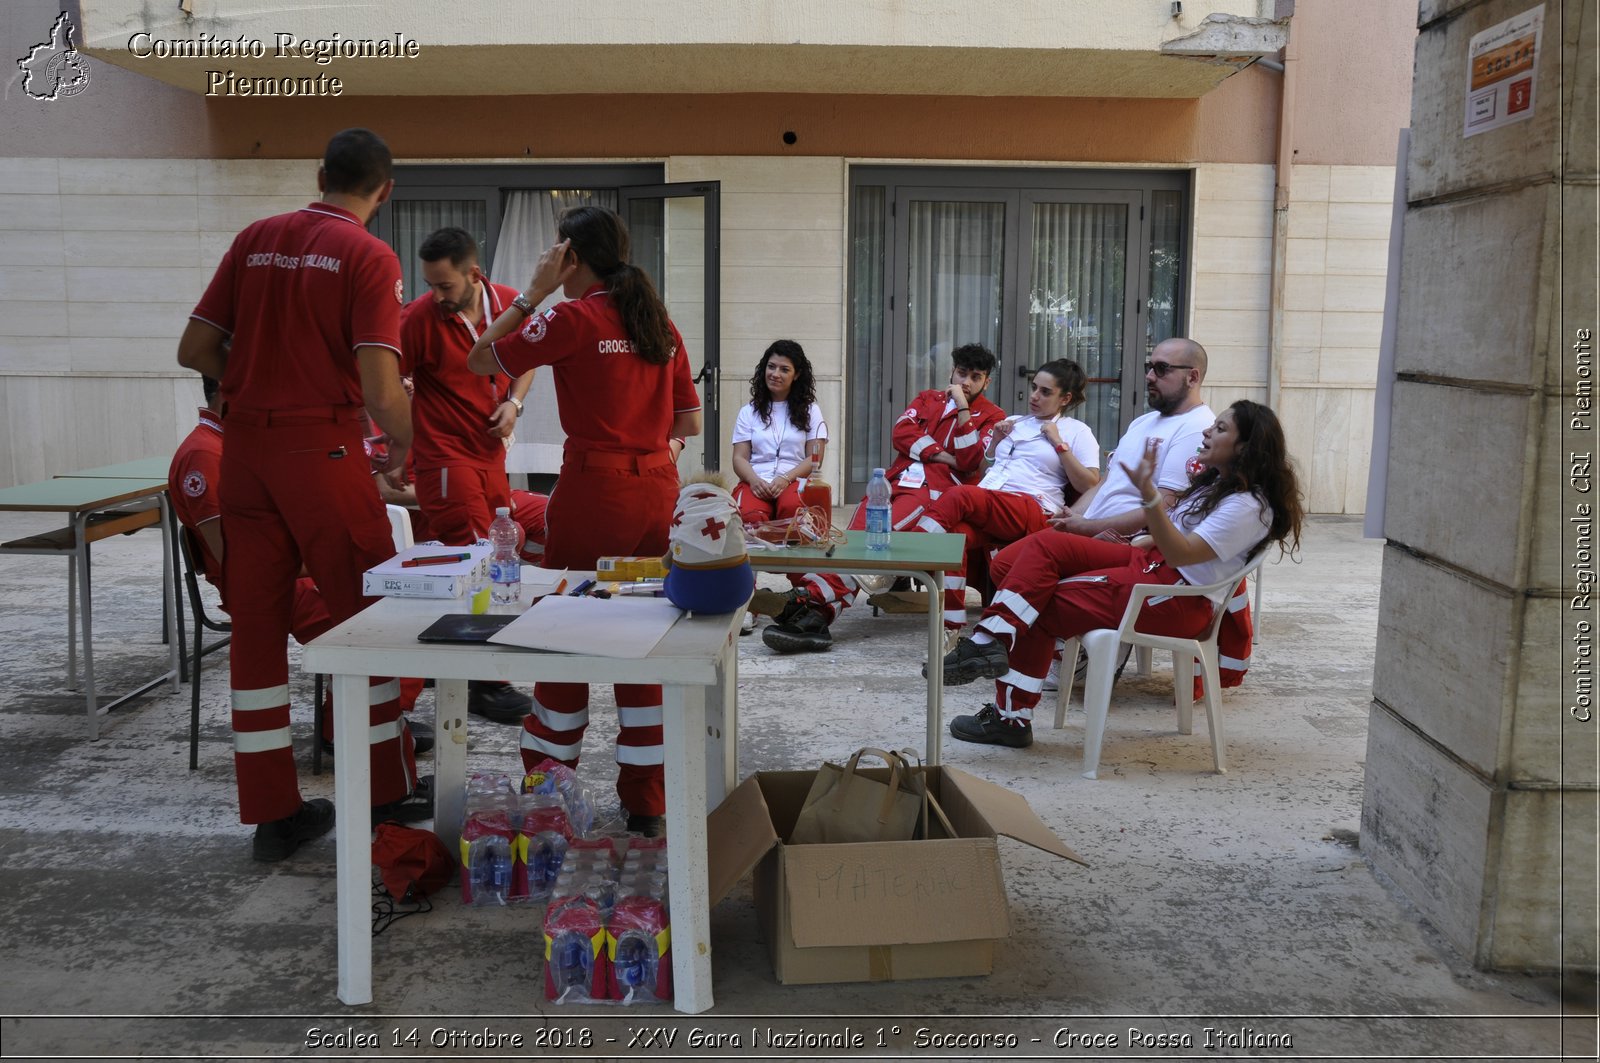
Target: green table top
908,552
74,494
138,469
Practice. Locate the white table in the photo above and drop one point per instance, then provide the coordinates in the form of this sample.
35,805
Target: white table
695,665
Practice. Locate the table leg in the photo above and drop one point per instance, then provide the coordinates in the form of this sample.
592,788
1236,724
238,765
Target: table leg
722,734
80,548
684,717
72,616
352,828
934,581
449,760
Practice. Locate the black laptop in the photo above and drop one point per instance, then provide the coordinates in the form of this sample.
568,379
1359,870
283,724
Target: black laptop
466,627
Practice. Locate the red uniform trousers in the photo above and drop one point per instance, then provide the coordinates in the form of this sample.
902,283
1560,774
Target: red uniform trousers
1056,585
528,510
834,592
753,510
459,500
287,499
597,509
988,519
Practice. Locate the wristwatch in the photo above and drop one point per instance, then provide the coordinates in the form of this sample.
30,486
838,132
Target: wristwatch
521,303
515,402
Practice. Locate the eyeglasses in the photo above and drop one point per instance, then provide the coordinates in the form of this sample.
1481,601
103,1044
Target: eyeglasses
1161,369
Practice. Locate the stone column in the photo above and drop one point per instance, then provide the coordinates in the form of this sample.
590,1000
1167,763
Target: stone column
1481,795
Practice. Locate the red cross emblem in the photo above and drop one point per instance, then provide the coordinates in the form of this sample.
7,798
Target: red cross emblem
713,529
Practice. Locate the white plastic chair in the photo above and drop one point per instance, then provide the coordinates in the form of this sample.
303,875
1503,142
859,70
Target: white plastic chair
400,527
1101,646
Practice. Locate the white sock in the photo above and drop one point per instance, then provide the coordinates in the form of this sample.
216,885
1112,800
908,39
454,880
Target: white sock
981,637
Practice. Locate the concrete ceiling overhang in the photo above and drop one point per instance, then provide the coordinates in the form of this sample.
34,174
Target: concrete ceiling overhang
1065,48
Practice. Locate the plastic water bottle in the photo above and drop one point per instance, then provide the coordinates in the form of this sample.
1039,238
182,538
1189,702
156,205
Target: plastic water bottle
878,511
505,565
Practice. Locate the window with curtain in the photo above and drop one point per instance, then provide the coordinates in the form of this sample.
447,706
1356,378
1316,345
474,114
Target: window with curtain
1077,292
1037,263
868,306
956,269
415,219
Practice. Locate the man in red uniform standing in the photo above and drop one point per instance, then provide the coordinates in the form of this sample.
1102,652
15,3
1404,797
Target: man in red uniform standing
194,483
301,324
462,420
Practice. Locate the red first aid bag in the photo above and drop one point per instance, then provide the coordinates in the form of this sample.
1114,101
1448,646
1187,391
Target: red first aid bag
412,862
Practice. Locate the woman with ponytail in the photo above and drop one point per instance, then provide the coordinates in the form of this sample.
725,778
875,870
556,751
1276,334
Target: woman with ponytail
623,390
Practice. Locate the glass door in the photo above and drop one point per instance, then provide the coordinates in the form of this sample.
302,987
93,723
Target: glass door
1081,302
676,233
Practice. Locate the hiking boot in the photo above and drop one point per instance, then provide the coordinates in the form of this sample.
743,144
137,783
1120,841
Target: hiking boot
989,729
969,662
412,808
498,702
775,603
648,826
276,840
806,633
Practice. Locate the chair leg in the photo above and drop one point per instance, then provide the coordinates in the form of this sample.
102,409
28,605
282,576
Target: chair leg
318,716
194,700
1101,646
1183,690
1213,695
1142,657
1066,679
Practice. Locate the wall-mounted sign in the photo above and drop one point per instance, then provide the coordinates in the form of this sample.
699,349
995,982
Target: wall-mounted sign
1502,66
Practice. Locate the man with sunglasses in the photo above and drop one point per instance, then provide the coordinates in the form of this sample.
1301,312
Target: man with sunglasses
1177,417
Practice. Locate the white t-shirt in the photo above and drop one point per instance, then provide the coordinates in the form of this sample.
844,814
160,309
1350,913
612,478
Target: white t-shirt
1181,436
1026,462
776,446
1239,522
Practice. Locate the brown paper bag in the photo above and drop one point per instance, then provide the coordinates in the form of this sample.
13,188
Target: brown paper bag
844,806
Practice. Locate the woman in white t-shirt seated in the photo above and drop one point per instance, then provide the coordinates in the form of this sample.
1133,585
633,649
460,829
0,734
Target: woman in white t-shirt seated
778,436
1057,585
1036,458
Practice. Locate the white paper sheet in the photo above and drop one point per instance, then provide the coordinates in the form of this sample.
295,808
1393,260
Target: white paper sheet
602,627
537,581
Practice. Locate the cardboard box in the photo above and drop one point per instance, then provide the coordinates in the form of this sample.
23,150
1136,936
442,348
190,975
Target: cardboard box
875,911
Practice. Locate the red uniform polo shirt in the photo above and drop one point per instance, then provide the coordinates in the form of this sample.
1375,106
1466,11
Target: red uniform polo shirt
193,480
298,293
607,396
451,405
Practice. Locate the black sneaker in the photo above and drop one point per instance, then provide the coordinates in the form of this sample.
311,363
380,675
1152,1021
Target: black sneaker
498,702
648,826
276,840
989,729
969,662
422,742
806,633
412,808
901,585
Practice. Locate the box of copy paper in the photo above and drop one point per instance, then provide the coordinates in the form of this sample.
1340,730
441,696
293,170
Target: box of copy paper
452,579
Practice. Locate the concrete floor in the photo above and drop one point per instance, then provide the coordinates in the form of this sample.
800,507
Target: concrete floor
1228,902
